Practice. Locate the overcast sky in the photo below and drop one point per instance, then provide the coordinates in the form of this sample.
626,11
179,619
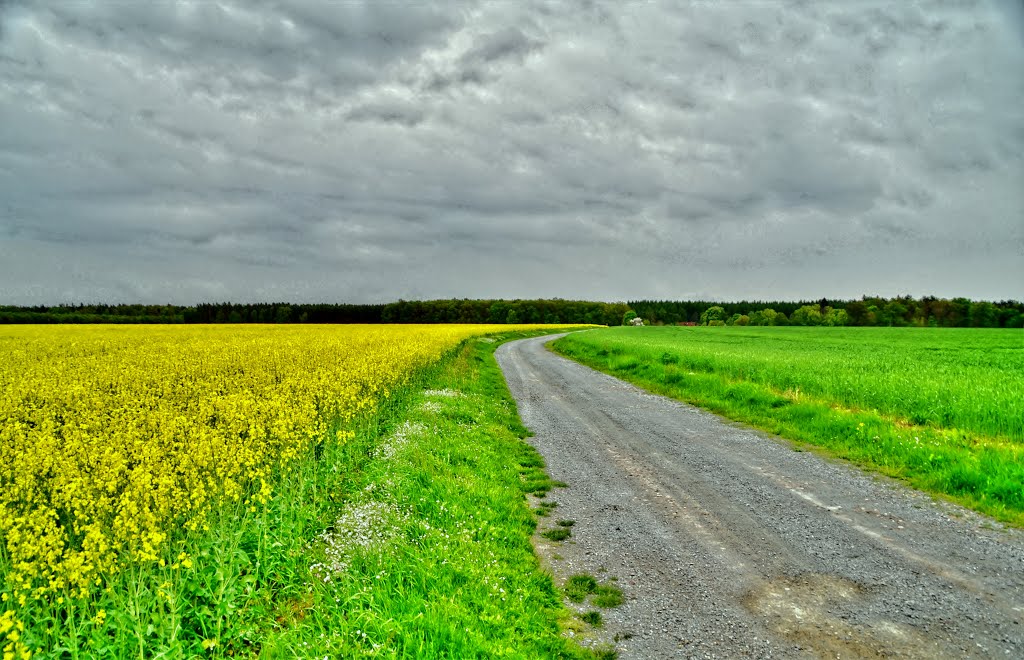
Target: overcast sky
341,151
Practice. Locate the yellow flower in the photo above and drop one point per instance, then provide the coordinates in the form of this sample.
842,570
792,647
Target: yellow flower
139,432
10,632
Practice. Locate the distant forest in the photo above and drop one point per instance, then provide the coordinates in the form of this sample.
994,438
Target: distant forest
868,311
429,311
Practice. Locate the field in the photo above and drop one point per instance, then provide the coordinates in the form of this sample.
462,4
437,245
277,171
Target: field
941,408
206,490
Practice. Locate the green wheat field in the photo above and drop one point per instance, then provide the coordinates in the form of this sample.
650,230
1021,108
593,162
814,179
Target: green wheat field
940,408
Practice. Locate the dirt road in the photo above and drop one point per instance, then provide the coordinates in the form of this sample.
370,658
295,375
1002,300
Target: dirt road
729,543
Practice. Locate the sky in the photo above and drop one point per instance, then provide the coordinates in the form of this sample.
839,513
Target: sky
247,150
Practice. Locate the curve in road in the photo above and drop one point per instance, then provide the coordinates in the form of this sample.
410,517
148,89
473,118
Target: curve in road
729,543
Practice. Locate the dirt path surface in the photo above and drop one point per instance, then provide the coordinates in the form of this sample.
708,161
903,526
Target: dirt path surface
728,543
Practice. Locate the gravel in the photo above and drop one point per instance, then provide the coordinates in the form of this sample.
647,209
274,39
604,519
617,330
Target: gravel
729,543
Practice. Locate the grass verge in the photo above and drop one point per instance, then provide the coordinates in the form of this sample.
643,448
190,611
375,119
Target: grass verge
411,540
979,472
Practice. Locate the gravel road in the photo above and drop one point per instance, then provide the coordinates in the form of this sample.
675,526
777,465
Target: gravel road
728,542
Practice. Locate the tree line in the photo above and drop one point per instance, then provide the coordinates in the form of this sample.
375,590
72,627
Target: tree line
868,311
402,311
93,314
901,311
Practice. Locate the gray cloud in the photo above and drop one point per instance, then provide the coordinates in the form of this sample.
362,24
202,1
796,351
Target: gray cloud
187,151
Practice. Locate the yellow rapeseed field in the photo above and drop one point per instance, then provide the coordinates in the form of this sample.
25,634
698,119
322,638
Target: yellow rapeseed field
112,436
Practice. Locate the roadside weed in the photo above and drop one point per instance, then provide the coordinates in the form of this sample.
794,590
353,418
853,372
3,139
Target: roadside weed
607,595
579,586
556,534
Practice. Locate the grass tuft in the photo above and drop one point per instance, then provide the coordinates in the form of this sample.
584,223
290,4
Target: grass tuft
607,595
557,534
579,586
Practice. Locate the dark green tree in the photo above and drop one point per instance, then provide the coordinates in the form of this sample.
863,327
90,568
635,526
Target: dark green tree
714,313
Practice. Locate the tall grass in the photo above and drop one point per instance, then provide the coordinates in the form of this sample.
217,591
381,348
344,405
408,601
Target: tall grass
942,408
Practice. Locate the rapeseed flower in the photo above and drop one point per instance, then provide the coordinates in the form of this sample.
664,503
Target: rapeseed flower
115,438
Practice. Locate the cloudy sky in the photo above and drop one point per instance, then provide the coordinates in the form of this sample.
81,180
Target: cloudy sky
345,151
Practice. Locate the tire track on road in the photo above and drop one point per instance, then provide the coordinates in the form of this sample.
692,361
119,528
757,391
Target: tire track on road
729,543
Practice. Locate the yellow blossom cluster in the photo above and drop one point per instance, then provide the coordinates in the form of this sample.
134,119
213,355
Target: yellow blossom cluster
113,436
11,631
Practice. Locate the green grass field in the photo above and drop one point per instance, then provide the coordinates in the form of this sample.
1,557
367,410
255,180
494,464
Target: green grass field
941,408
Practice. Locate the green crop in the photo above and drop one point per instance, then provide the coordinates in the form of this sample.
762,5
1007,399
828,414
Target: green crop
942,408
